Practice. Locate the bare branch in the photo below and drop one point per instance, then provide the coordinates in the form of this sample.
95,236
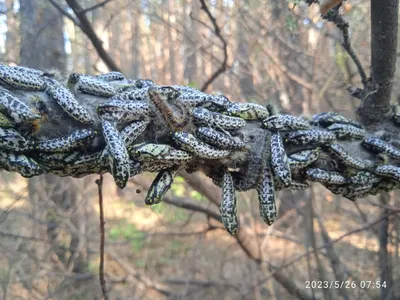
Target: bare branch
87,28
99,183
217,32
98,5
334,16
65,13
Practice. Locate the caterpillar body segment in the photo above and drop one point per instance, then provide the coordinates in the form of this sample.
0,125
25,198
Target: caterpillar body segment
279,160
75,140
161,184
228,208
117,154
20,163
119,158
91,85
325,176
219,139
380,146
188,142
346,131
66,100
131,132
202,116
12,140
150,166
247,111
6,122
364,178
159,97
303,159
307,137
227,122
177,156
20,79
111,76
285,122
16,109
326,119
388,171
266,197
22,69
359,191
124,111
345,158
299,186
133,95
148,150
385,185
143,83
206,117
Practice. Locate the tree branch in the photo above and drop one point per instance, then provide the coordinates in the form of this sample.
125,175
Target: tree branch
384,28
99,183
217,32
87,28
96,6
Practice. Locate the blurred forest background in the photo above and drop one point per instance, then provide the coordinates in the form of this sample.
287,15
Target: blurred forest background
268,51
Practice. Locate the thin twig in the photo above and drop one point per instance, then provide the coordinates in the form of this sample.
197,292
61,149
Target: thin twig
99,183
343,26
65,13
98,5
217,32
88,29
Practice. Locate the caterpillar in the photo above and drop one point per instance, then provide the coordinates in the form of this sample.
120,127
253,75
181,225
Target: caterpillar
66,100
131,132
326,119
388,171
17,109
325,176
228,207
307,137
189,143
285,122
219,139
279,160
377,145
205,117
12,140
91,85
345,158
111,76
303,159
21,79
346,131
266,197
247,111
119,158
75,140
159,97
135,95
123,111
148,150
25,166
161,184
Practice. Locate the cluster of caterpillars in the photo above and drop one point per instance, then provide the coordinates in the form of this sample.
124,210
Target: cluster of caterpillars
241,146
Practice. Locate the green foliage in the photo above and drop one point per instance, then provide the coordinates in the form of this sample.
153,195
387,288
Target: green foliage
197,196
170,214
178,187
128,233
290,23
